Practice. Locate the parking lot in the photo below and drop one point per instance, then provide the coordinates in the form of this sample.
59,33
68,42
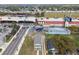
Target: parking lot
4,30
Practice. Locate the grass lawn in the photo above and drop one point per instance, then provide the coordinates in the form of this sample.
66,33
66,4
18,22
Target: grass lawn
27,47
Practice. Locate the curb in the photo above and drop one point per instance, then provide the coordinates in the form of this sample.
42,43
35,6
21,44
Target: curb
21,43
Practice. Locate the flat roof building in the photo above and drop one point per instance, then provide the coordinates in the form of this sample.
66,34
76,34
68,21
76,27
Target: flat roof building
56,30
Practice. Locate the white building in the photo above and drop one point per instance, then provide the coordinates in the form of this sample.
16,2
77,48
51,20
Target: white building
58,31
43,21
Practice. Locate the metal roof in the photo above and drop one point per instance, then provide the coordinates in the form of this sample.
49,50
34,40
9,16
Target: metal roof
57,30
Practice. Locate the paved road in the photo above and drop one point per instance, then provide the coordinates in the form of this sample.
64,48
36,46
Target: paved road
43,44
39,38
16,41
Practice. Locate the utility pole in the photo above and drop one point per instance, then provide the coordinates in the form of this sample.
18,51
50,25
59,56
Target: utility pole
36,21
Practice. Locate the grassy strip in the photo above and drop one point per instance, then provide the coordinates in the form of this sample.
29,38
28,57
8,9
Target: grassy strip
0,49
27,47
9,36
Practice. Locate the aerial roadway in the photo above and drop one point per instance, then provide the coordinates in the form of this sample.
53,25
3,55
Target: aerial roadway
12,47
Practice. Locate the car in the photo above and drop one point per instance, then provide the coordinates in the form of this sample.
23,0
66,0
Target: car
38,28
51,48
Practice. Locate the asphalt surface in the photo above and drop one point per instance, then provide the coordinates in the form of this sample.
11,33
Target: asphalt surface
10,50
40,39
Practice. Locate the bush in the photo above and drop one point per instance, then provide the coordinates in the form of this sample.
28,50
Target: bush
74,29
64,44
0,30
0,49
13,32
8,37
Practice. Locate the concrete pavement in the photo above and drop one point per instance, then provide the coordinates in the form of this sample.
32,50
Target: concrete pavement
39,43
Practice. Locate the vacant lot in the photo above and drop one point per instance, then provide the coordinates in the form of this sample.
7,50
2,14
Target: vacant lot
62,14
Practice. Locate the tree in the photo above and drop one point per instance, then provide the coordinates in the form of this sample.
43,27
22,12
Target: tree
15,28
37,14
64,44
74,28
14,24
13,8
42,14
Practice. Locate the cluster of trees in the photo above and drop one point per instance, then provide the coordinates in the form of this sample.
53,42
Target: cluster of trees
64,44
59,7
13,8
39,14
74,29
15,28
42,7
2,13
